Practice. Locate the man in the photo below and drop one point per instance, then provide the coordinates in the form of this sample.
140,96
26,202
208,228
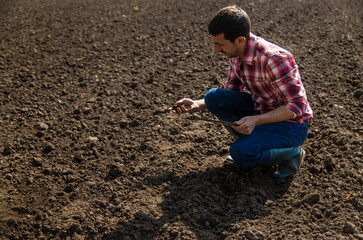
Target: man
263,96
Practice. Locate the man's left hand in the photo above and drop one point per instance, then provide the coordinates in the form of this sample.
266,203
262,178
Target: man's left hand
245,125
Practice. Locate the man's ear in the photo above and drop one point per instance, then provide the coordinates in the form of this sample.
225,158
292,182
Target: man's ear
240,41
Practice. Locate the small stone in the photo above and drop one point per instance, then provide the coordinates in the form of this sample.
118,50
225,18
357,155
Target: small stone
78,158
42,126
296,203
93,139
312,199
37,162
349,228
92,100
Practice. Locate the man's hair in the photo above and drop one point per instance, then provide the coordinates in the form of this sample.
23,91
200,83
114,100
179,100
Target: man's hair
232,21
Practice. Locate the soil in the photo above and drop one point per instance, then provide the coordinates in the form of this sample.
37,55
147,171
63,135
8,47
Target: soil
88,149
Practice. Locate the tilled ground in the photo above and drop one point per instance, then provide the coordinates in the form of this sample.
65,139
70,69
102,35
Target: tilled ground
89,151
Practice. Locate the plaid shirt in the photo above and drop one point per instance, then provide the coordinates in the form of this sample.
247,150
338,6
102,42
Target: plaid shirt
271,75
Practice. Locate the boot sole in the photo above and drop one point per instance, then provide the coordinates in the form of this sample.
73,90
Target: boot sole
302,157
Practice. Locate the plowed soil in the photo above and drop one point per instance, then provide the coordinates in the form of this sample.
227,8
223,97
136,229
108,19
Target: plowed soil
88,149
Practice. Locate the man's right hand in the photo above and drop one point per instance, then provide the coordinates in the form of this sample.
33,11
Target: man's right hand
187,105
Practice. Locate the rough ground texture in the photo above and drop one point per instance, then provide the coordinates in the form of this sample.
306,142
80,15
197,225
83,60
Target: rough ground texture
88,150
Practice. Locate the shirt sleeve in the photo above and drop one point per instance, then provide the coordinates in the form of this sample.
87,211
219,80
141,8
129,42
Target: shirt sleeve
285,80
233,82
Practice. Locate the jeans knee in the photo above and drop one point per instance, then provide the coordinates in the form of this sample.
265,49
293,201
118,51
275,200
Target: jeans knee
244,156
210,98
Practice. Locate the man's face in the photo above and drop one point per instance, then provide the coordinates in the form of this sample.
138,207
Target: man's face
226,47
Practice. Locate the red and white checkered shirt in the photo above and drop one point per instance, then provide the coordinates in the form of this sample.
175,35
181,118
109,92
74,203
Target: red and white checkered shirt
271,75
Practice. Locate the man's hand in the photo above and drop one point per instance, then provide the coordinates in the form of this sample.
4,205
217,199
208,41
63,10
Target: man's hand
187,105
246,125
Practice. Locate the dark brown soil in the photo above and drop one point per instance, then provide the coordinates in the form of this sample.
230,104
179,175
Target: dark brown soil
88,149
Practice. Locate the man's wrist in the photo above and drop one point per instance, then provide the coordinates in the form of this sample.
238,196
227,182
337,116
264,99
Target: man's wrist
259,119
201,104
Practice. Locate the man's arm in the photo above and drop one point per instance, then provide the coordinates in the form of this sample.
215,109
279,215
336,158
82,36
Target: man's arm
285,79
280,114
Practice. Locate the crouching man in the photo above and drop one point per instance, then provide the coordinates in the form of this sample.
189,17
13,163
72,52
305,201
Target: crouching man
263,96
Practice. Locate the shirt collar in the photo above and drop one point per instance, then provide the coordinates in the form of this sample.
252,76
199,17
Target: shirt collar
249,51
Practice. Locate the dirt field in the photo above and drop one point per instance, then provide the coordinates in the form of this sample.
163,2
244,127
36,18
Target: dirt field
88,149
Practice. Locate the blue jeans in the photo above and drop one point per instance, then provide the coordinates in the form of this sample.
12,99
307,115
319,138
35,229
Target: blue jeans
248,150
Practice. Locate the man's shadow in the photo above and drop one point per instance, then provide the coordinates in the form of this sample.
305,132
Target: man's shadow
202,205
